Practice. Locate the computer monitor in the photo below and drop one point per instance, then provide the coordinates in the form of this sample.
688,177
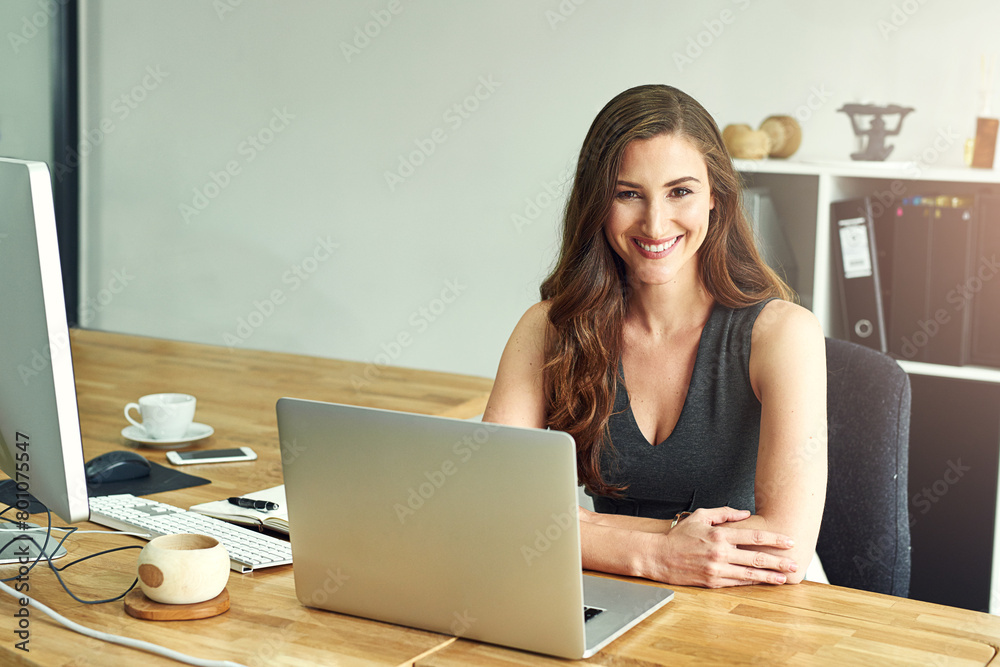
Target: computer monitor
41,448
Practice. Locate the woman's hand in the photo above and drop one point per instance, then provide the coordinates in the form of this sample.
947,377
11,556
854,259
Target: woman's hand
700,551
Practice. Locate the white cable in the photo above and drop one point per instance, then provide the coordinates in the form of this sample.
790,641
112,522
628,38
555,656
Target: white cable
118,639
80,532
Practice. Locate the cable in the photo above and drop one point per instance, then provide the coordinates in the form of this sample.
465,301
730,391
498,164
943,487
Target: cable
57,569
42,550
81,629
118,639
73,529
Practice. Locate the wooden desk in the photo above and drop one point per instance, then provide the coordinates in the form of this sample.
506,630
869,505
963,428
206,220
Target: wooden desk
805,624
236,390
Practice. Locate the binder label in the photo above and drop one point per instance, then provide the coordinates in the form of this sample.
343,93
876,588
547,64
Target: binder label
854,248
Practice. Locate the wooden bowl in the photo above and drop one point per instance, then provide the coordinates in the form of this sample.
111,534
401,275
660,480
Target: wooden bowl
785,135
183,569
743,142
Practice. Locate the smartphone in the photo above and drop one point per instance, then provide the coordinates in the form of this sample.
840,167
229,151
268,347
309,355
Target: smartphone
211,456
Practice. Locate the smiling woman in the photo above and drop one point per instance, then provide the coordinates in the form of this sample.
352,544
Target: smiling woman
694,388
652,219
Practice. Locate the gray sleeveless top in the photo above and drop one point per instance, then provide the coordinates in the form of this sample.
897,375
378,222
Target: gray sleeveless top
710,458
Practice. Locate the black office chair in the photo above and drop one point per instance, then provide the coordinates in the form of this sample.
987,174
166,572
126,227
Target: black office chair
864,540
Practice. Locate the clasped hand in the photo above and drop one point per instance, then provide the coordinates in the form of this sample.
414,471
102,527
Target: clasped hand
709,549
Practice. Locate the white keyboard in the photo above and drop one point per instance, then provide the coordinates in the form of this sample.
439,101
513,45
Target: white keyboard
248,549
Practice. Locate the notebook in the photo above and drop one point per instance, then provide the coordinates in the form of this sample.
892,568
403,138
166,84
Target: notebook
275,519
458,527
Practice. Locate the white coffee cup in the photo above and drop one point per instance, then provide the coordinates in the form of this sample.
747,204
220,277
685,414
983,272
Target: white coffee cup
164,416
183,568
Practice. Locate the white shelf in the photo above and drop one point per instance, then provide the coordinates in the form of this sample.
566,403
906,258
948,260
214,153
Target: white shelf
907,171
807,206
977,373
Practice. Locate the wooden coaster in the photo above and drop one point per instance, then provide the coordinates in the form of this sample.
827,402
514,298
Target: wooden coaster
140,606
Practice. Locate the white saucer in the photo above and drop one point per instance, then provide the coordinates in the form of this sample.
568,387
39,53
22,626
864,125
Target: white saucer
195,432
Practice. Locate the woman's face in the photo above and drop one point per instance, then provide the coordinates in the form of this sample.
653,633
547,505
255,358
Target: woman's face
659,214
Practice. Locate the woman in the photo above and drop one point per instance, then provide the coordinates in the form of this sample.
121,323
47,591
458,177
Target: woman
695,390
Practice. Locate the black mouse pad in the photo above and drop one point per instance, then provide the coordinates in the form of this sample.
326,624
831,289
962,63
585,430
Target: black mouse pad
160,479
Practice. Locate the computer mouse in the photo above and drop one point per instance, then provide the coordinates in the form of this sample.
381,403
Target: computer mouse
116,466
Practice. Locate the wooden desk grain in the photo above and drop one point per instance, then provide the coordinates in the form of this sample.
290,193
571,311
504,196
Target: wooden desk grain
810,624
236,391
805,624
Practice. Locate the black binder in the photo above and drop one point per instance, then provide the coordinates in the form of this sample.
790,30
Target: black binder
883,222
856,265
911,257
948,315
931,313
983,283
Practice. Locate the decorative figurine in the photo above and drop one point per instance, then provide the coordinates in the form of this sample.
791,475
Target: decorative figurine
877,131
743,142
778,136
785,133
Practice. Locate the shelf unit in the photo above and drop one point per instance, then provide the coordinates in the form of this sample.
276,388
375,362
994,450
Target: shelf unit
802,192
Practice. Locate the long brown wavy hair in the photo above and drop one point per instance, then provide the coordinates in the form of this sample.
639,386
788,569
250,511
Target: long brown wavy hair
588,289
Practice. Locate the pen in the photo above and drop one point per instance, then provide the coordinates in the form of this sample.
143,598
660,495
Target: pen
262,505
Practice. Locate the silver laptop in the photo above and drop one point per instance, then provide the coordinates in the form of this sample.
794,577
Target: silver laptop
452,526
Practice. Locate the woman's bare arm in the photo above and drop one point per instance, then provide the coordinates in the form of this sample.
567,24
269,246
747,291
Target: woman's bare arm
788,373
705,549
518,397
713,547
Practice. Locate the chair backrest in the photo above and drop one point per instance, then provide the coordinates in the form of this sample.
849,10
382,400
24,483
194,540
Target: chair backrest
864,539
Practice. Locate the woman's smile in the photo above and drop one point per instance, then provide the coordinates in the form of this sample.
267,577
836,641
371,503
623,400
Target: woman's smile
656,249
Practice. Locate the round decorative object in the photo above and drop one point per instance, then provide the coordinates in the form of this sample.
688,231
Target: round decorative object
731,131
743,142
183,569
785,134
138,605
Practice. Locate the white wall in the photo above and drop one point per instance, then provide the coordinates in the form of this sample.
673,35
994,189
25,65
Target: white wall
27,54
172,92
